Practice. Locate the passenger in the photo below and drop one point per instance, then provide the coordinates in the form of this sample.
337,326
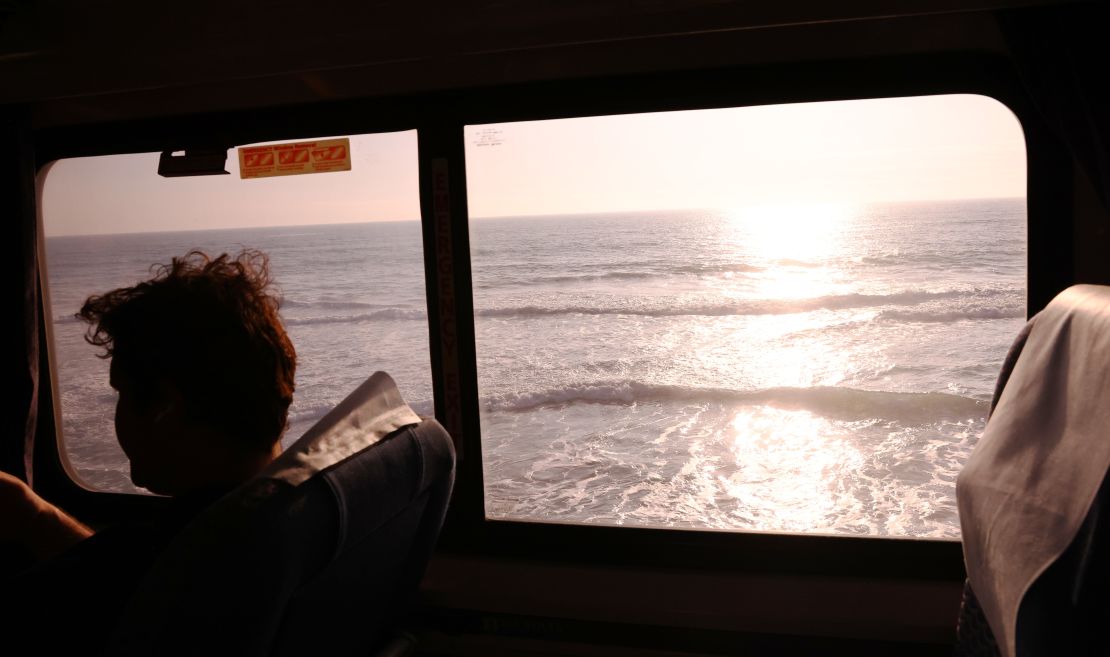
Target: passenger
205,376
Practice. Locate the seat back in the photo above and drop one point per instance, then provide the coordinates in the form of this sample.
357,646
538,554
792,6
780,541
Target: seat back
1066,610
392,506
317,555
1033,495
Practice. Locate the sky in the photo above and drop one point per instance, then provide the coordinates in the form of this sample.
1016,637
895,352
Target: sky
859,151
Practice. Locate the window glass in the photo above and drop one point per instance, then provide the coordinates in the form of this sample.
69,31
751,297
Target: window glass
779,318
345,252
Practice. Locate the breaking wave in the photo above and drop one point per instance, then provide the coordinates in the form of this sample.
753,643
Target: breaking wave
578,278
744,307
333,305
848,404
377,315
492,277
792,262
738,267
1006,312
718,309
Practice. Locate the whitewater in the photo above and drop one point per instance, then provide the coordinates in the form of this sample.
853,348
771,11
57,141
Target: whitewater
818,371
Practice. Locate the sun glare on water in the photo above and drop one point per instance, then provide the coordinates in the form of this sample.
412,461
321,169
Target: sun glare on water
795,253
793,242
789,463
792,231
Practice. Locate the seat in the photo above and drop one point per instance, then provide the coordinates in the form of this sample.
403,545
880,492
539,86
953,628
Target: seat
317,555
1034,498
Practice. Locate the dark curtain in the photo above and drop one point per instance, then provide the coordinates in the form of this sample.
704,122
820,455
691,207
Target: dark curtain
1059,53
21,293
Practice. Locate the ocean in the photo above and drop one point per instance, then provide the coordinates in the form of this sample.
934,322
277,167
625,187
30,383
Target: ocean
819,369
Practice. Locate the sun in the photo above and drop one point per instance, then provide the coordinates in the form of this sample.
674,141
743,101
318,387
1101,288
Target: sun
794,244
791,232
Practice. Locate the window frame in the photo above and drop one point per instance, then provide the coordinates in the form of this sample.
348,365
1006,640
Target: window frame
1049,271
540,540
54,476
439,119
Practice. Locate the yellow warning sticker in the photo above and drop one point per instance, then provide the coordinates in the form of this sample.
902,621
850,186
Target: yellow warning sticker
294,158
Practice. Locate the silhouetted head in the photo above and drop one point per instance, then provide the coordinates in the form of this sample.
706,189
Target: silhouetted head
203,368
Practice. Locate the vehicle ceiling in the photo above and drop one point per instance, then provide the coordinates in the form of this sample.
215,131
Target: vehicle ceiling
80,62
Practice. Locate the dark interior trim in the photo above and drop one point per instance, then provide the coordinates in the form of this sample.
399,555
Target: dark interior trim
440,118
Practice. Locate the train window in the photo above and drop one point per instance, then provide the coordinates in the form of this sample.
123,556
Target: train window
345,251
777,318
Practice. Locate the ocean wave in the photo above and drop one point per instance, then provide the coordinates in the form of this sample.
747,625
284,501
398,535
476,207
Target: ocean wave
331,305
377,315
736,267
955,258
745,307
944,316
577,278
848,404
895,257
791,262
494,278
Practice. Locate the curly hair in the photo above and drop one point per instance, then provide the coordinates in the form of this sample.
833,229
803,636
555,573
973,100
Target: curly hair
210,326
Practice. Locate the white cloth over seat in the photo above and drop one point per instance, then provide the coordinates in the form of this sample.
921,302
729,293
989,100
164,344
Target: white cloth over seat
373,411
1031,481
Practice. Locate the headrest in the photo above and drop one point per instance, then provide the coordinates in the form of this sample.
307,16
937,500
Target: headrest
1031,480
373,411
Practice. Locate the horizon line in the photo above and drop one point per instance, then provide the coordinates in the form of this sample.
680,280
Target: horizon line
48,236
